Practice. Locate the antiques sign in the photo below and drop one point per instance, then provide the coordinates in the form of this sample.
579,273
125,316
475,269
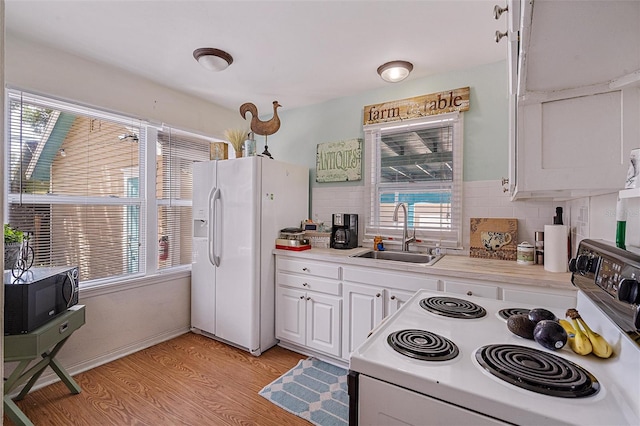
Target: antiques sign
339,161
420,106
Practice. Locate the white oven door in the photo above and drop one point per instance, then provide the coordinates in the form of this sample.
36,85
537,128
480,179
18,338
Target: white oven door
381,403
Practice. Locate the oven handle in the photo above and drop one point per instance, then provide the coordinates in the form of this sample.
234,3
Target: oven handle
353,392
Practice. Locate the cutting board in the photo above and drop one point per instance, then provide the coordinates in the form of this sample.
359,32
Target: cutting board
493,238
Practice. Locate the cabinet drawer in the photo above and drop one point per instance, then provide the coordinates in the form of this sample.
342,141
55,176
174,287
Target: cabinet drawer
309,283
309,267
399,280
552,300
468,289
30,345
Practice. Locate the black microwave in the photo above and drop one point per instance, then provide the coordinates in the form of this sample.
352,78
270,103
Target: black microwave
39,295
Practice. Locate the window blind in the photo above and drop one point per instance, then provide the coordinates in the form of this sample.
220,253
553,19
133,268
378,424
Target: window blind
75,176
175,154
418,164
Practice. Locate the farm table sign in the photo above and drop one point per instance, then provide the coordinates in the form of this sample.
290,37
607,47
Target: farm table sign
339,161
420,106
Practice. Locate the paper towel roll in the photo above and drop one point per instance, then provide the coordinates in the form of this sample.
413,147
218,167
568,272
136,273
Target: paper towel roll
555,248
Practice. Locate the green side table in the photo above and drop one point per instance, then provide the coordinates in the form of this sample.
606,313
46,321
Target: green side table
44,342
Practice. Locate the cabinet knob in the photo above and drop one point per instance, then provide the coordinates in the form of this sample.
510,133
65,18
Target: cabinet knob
305,269
469,293
505,183
378,295
498,11
500,35
305,285
301,297
308,298
392,298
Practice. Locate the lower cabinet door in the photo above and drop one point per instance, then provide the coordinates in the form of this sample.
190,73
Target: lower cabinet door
323,323
395,299
290,314
363,310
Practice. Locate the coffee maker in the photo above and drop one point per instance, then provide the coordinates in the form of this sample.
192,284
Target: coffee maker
344,231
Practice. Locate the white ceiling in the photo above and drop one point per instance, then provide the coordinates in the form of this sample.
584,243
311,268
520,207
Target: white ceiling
297,52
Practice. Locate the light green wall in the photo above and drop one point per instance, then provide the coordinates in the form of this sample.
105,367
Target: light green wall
485,124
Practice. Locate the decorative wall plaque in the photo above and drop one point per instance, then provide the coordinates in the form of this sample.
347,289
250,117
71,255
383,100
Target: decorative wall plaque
420,106
339,161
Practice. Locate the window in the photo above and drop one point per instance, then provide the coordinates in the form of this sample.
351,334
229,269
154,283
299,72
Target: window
418,163
175,154
83,183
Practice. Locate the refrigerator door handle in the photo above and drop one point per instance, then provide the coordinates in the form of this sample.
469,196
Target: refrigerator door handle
213,196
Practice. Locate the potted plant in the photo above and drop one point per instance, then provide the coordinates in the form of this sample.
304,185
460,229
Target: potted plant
12,242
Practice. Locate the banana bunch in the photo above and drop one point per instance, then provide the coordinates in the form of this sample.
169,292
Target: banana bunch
576,339
584,343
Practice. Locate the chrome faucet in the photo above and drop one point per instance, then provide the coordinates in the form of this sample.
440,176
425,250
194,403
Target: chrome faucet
405,232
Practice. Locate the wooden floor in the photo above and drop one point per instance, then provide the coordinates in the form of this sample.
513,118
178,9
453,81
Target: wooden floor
189,380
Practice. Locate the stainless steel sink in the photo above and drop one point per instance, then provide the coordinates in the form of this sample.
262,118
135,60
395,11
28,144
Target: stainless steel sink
401,256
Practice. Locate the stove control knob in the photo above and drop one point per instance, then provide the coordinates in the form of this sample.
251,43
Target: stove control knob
580,264
636,318
629,291
572,265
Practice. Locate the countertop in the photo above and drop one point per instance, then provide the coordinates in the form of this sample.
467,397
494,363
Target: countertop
455,266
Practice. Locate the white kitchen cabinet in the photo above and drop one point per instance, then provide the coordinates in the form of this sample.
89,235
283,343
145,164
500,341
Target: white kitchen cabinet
323,323
549,298
576,146
394,299
363,310
330,307
291,315
308,305
311,268
471,289
309,319
575,118
390,279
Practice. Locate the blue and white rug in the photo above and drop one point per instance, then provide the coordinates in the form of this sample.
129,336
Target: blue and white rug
314,390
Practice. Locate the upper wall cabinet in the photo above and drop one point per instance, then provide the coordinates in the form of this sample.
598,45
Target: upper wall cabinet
576,112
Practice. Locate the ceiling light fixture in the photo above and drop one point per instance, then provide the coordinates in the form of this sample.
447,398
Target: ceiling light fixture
395,71
213,59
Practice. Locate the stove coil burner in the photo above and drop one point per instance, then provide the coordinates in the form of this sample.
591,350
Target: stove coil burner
453,307
537,371
423,345
506,313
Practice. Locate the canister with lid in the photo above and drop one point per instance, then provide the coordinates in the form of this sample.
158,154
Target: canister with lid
525,253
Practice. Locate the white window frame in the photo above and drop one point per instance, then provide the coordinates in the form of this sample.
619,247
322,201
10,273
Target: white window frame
147,201
444,238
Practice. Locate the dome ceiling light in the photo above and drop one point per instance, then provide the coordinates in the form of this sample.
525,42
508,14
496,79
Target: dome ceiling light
395,71
213,59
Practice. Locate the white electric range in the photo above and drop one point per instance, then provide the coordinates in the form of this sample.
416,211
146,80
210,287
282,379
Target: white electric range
450,384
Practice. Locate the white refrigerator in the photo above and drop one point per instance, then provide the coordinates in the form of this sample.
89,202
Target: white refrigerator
239,207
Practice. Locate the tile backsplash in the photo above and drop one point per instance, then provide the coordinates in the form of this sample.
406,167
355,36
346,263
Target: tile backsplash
480,199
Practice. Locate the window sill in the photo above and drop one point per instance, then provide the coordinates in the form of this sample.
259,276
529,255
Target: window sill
98,289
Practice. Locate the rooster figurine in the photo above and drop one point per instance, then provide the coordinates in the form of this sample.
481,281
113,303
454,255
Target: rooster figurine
258,126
